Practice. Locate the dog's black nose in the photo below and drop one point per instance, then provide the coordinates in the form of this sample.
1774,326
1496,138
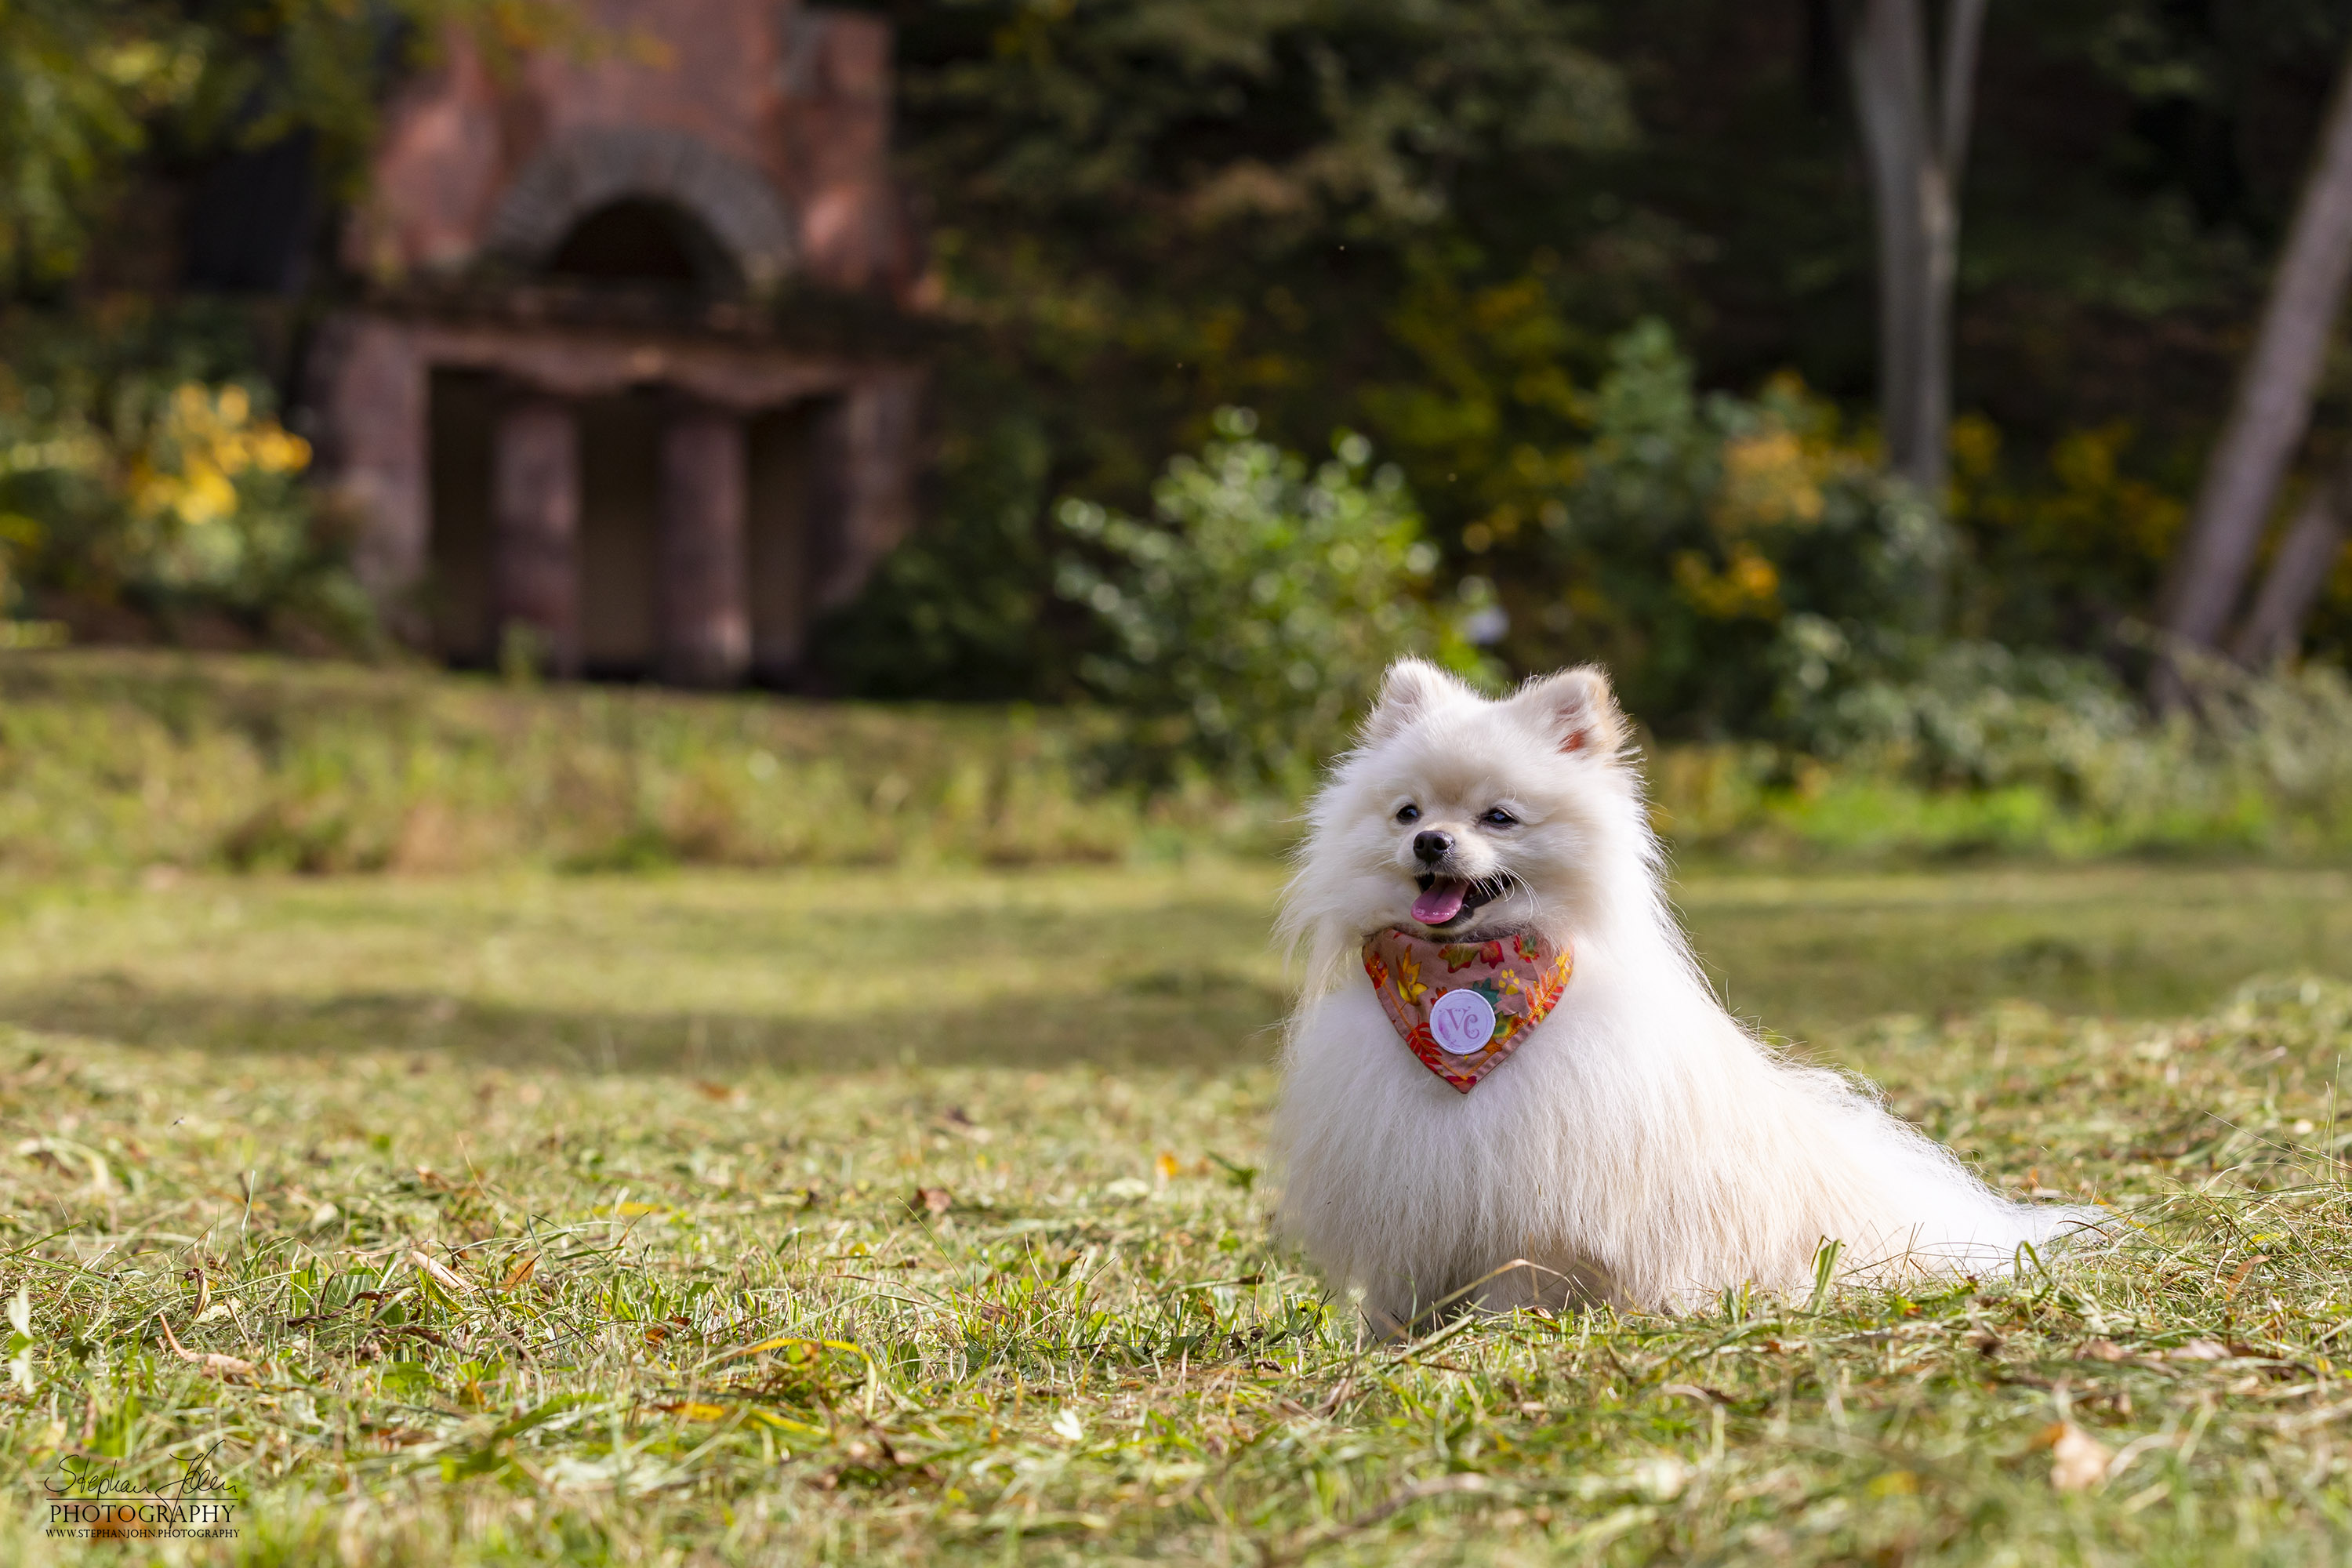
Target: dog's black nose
1429,849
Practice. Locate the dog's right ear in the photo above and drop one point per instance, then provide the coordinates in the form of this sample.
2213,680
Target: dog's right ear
1413,687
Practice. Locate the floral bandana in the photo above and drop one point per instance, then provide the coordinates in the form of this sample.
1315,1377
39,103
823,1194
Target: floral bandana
1463,1006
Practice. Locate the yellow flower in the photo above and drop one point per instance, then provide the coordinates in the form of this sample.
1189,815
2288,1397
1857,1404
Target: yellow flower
1768,480
204,442
1748,585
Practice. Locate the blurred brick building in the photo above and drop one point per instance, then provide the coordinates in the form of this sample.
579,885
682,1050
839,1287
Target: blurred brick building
628,377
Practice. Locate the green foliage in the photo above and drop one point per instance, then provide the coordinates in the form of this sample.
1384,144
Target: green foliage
87,86
140,467
2062,552
1985,748
964,610
1251,620
72,82
1141,213
1733,558
1145,212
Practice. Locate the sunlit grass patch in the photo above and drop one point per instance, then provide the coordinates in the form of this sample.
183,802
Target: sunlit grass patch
422,1309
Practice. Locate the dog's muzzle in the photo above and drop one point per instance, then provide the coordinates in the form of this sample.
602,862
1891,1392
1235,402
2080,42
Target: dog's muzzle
1448,901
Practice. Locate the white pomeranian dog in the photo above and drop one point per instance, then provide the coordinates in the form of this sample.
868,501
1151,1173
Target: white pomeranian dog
1615,1137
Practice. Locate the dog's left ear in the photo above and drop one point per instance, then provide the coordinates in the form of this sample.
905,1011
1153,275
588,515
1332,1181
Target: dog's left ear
1578,709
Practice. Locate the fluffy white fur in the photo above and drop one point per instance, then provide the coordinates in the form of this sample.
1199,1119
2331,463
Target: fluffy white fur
1639,1146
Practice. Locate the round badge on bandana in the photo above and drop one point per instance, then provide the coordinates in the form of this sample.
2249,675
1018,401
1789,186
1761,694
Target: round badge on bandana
1463,1006
1462,1022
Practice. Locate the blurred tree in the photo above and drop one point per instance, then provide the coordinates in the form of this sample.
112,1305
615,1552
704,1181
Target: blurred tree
2298,573
2268,418
1914,115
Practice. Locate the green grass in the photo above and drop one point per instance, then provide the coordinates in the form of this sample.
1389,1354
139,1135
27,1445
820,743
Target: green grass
115,759
119,760
890,1215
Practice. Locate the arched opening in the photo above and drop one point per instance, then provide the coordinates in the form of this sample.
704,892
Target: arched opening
648,242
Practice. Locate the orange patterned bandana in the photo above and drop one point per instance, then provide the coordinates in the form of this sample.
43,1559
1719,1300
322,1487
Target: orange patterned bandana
1463,1006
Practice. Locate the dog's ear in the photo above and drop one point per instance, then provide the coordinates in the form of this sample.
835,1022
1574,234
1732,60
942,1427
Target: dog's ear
1413,687
1578,708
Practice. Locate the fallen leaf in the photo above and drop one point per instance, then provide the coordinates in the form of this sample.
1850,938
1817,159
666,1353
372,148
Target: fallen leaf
725,1093
204,1289
209,1360
933,1200
2199,1350
958,1120
2077,1459
522,1270
447,1278
2103,1350
694,1410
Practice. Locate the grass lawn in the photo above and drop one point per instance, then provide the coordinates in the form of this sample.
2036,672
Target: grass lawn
873,1215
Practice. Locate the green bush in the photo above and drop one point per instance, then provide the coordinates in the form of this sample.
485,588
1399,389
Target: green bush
1735,562
1251,619
1988,749
142,466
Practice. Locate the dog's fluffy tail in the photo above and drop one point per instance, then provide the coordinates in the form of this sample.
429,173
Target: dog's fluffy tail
1928,1214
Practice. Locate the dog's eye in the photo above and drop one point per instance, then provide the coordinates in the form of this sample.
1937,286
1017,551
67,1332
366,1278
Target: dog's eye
1498,817
1409,814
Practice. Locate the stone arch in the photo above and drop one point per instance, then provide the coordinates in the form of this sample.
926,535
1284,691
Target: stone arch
597,166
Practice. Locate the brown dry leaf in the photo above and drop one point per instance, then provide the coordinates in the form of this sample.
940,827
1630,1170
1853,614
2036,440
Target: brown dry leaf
2077,1459
203,1291
2199,1350
209,1360
934,1200
2103,1350
447,1278
725,1093
521,1271
958,1120
2238,1281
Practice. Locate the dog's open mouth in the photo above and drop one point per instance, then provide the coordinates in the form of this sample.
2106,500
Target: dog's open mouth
1445,899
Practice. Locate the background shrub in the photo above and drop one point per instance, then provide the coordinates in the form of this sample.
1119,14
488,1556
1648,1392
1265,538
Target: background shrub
1251,618
143,469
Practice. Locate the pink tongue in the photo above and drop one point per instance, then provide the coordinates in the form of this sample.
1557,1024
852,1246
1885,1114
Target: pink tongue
1441,903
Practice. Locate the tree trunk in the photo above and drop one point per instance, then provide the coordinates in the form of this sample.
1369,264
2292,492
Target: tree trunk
1914,133
2298,573
2272,404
